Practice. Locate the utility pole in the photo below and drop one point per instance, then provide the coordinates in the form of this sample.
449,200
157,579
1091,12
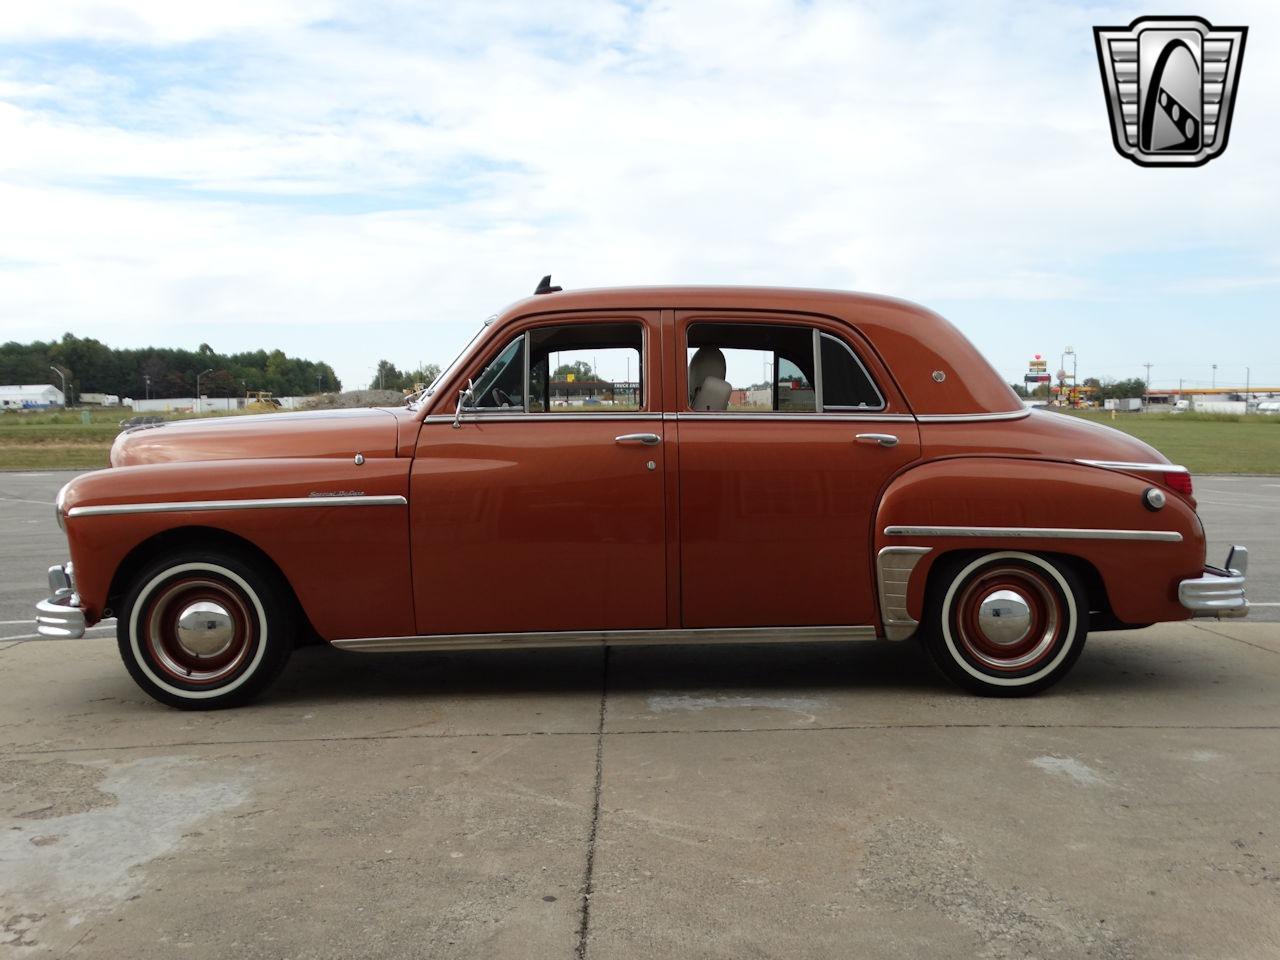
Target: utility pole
1147,390
1213,384
1246,389
147,378
198,376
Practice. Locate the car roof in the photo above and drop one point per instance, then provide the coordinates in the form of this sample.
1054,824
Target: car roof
938,370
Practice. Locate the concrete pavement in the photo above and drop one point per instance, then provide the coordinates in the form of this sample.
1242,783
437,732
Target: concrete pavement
807,801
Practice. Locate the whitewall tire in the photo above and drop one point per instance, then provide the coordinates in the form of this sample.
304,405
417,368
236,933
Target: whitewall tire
1005,623
201,629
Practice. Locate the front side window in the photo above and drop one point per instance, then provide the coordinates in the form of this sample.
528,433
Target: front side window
771,368
586,368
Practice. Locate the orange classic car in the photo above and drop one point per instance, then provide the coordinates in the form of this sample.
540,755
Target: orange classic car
636,466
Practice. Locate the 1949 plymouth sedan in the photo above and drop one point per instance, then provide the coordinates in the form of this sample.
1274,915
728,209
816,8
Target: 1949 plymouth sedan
648,465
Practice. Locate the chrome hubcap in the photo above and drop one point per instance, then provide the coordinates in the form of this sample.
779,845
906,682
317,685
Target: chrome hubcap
205,629
1005,617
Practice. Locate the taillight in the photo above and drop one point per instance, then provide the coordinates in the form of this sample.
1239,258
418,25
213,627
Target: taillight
1179,482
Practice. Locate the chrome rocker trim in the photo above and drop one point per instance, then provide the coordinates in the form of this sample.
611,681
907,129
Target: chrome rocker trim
610,638
1035,533
894,566
1219,593
60,616
181,506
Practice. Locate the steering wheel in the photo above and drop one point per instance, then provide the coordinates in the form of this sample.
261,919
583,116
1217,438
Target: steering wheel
501,398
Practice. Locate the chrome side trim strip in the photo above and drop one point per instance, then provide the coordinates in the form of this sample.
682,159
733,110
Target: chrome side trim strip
610,638
1035,533
1145,467
894,566
972,417
182,506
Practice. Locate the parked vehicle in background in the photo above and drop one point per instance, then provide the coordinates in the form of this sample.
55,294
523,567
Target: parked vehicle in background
1269,407
883,482
1131,404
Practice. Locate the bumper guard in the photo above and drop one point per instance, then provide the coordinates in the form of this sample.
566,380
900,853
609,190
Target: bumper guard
1219,592
60,616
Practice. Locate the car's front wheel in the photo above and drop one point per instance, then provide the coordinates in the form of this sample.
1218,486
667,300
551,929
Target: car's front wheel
1006,623
201,629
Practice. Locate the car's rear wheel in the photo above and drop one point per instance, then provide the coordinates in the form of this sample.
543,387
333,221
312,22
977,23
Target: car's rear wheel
1006,623
201,630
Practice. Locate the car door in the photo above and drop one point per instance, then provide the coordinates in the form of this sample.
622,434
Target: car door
543,509
798,429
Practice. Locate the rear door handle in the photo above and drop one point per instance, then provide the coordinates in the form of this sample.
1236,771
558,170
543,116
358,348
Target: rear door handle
648,439
884,439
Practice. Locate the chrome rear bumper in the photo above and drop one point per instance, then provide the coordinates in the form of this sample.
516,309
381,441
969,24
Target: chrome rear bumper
1218,593
60,616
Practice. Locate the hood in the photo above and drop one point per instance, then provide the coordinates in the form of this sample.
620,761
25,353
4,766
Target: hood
320,433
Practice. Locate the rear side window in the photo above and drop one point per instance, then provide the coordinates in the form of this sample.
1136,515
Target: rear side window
846,385
756,367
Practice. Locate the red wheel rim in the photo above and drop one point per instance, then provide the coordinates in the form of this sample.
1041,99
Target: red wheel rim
168,637
1009,618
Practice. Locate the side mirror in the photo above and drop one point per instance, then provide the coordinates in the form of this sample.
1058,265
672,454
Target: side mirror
465,396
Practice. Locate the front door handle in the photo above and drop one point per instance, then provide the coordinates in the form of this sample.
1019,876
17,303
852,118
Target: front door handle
884,439
648,439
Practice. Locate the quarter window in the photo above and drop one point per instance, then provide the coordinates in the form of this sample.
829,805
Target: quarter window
846,385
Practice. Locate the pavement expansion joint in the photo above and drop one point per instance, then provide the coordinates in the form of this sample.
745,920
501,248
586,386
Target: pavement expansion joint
18,750
588,874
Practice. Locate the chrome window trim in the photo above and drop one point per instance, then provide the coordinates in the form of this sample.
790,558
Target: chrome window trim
1144,467
817,370
894,566
972,417
810,417
574,638
273,503
1035,533
861,366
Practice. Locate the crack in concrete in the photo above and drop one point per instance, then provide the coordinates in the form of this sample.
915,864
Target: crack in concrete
588,876
1227,636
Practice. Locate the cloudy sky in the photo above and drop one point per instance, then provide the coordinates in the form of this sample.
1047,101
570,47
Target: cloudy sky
348,181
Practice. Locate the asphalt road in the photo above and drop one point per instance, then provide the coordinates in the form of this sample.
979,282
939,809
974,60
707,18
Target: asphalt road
800,801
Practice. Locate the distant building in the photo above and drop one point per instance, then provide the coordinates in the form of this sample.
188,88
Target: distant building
30,396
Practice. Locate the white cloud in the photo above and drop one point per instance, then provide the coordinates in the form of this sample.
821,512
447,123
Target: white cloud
309,167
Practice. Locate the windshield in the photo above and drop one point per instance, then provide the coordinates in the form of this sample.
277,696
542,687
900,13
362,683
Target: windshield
447,372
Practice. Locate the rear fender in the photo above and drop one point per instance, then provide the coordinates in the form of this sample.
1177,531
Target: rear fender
1038,506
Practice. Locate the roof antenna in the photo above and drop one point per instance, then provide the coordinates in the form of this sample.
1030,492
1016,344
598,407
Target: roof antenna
544,286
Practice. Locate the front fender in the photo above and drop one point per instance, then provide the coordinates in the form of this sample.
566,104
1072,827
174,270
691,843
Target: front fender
1040,506
347,561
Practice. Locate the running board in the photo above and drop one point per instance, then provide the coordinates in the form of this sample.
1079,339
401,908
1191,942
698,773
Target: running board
604,638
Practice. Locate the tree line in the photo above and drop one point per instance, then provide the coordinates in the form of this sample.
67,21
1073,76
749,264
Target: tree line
93,367
1104,389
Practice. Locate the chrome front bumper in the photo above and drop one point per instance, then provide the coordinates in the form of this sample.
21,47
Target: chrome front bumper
1219,593
60,616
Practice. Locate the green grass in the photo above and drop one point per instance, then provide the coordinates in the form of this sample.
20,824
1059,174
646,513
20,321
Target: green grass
62,440
1203,442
